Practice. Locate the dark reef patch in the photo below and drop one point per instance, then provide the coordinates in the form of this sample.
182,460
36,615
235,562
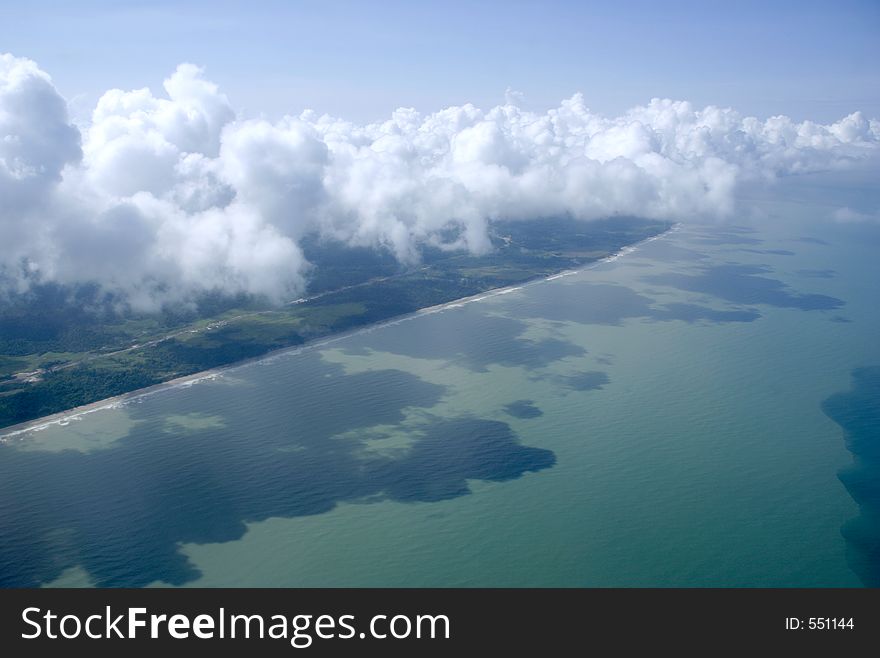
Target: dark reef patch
470,337
122,512
694,312
817,274
611,304
587,303
772,252
452,451
523,409
857,411
745,284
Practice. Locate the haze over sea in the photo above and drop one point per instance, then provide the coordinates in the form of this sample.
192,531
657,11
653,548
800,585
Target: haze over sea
702,411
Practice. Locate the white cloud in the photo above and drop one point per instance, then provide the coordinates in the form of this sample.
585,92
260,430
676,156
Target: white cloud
36,143
135,141
164,196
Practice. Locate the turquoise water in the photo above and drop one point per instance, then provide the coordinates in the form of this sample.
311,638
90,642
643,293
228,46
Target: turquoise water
699,412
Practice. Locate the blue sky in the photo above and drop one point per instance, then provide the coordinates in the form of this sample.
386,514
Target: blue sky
360,60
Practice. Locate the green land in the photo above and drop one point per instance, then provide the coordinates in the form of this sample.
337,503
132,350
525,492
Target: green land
63,347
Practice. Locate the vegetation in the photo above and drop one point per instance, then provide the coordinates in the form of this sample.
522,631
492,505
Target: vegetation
61,347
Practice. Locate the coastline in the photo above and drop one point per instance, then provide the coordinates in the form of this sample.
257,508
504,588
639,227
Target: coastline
20,430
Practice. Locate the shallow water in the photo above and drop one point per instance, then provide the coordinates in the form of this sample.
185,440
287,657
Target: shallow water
686,415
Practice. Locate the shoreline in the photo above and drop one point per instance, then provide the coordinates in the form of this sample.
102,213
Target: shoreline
63,418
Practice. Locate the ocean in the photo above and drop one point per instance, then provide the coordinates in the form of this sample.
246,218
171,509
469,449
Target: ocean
701,410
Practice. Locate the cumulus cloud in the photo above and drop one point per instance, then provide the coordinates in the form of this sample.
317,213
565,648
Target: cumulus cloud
164,196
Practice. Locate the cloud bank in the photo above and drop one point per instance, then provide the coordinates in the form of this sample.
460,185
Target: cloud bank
163,196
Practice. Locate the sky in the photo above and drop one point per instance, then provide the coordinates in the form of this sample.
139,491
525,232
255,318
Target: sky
361,60
166,149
